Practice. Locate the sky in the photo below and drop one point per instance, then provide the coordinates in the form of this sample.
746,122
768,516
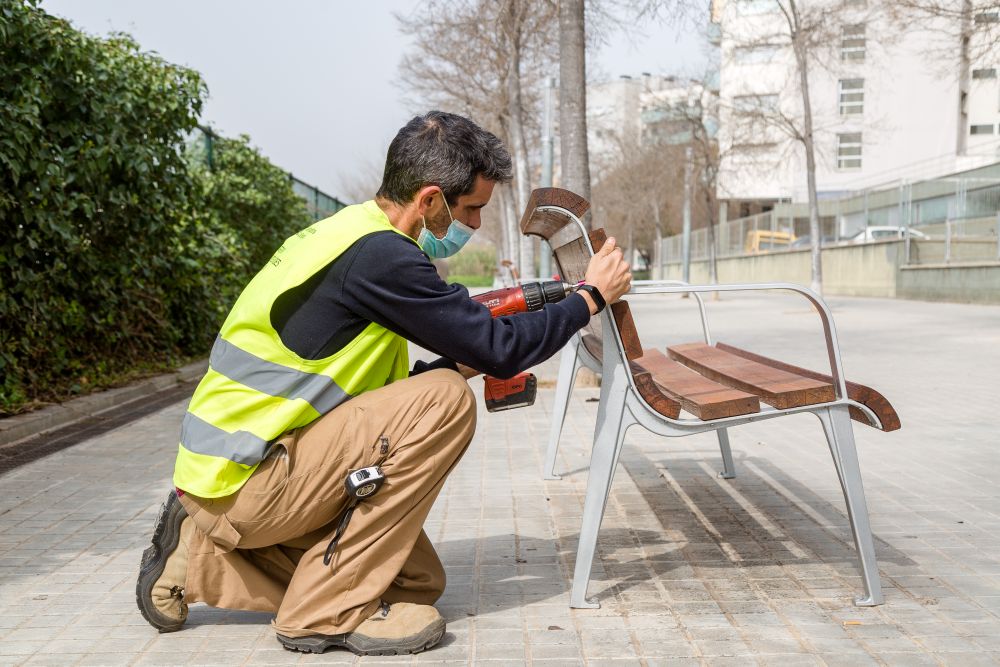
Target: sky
315,83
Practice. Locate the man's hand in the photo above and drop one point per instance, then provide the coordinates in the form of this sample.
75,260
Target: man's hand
609,273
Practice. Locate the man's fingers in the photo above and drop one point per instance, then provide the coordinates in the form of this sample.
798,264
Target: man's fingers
608,246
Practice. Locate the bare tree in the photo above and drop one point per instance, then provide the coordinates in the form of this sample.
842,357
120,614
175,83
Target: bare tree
574,156
809,31
970,28
512,19
495,78
639,191
700,116
361,182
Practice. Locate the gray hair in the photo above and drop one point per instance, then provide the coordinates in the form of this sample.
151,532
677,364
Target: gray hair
442,149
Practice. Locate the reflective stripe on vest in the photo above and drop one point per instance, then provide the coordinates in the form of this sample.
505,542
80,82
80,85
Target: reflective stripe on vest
319,391
256,389
242,447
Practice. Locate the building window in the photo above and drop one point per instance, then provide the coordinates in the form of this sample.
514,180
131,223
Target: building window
750,55
849,150
987,17
980,129
852,96
852,43
990,73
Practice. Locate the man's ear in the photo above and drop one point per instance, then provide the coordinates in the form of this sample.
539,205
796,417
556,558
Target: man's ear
426,197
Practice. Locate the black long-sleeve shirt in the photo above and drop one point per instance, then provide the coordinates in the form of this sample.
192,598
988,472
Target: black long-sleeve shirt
386,279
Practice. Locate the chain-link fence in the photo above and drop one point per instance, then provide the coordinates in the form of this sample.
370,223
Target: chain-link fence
953,219
320,204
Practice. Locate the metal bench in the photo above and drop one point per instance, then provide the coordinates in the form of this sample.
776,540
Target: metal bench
719,385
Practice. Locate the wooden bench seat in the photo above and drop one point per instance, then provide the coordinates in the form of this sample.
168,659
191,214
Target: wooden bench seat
775,386
697,394
873,400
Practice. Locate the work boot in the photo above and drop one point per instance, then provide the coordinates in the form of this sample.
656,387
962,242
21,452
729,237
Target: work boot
396,629
159,592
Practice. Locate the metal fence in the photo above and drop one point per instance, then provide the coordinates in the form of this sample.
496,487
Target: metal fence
319,204
954,219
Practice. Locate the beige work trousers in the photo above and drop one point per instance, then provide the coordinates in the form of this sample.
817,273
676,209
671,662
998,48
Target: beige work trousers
262,548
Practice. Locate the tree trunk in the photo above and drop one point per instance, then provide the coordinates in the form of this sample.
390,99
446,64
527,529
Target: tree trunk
512,22
574,158
511,219
657,274
713,278
801,60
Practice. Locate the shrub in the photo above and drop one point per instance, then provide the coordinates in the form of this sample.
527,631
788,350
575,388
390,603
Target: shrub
116,253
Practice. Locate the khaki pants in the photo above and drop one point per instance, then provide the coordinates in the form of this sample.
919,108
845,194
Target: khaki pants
262,548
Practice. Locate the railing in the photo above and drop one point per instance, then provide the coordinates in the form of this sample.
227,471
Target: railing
973,240
956,219
970,240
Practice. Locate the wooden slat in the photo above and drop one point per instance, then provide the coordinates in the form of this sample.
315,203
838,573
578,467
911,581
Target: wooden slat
653,395
865,395
776,387
543,225
697,394
594,345
620,309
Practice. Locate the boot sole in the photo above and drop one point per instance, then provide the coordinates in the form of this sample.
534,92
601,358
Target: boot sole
363,645
166,536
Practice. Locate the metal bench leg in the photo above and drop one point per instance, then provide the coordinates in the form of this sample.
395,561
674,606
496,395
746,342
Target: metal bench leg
840,435
728,468
568,365
608,438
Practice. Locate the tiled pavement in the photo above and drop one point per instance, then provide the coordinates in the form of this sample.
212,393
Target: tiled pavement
692,569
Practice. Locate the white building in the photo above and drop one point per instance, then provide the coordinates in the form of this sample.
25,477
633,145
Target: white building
889,105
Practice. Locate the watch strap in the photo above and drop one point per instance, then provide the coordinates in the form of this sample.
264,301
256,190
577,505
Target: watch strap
595,294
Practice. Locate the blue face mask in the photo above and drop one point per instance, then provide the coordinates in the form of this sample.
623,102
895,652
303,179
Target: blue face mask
456,237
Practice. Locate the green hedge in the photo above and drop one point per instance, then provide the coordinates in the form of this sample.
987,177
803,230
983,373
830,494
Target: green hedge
116,253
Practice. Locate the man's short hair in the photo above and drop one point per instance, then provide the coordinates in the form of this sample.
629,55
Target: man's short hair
442,149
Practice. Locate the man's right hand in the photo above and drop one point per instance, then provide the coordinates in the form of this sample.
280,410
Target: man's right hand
608,272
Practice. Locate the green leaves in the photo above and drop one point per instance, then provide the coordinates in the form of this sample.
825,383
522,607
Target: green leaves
116,250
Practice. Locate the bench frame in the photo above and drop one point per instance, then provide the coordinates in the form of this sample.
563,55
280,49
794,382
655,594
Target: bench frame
575,356
621,407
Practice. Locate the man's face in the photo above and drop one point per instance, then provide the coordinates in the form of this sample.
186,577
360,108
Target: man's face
466,210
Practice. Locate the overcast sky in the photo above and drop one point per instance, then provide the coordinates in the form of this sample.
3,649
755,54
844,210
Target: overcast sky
314,82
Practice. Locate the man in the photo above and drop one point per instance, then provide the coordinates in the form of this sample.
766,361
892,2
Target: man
309,381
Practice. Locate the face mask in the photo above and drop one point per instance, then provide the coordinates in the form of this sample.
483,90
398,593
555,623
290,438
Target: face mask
456,237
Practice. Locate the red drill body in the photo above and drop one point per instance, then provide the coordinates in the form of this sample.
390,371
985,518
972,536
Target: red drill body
519,390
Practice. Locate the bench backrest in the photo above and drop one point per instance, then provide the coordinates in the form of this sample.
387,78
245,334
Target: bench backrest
572,254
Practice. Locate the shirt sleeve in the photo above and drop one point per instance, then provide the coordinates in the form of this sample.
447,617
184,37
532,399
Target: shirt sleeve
393,283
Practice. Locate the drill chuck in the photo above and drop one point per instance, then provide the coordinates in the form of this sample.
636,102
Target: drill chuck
537,295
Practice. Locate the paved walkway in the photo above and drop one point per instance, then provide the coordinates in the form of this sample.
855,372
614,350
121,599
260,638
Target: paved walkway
692,569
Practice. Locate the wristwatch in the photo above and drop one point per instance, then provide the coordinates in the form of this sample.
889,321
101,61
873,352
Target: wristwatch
595,294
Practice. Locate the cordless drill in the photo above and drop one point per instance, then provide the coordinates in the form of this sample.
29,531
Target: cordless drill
520,390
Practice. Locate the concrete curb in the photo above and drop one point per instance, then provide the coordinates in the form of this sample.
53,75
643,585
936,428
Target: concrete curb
21,427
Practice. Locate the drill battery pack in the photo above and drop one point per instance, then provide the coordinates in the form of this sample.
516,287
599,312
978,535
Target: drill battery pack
516,392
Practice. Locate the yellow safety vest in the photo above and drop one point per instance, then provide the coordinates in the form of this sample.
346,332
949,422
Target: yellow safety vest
256,388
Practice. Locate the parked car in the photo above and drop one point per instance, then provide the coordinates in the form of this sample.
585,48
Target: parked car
886,233
805,241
